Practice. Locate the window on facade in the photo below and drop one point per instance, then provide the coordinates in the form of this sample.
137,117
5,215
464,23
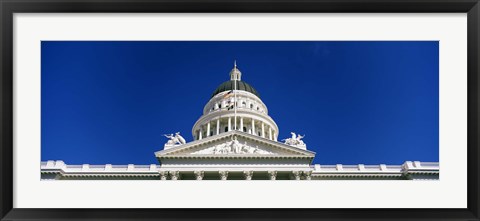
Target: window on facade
226,129
244,129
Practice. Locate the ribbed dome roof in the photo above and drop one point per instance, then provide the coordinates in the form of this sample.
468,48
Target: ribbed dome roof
229,85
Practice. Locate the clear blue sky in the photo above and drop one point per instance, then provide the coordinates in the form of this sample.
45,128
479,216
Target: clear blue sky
357,102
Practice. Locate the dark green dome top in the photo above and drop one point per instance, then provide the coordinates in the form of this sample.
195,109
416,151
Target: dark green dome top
229,85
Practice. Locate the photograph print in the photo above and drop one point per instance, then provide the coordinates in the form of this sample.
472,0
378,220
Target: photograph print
240,110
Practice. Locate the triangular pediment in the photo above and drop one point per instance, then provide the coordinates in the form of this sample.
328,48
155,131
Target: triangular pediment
234,144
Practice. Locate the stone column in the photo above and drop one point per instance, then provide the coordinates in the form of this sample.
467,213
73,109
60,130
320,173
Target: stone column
208,129
218,126
200,133
274,136
163,175
229,123
174,175
263,130
270,133
223,175
272,175
253,126
198,175
248,174
297,175
241,124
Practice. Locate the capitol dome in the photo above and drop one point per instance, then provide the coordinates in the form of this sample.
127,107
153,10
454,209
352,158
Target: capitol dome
235,106
241,85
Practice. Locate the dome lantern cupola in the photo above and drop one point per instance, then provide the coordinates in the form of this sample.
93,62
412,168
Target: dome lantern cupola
235,74
235,83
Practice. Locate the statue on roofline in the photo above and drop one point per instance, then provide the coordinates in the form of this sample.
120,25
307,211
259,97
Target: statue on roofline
174,140
294,140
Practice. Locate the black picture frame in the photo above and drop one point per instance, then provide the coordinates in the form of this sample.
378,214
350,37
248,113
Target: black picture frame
9,7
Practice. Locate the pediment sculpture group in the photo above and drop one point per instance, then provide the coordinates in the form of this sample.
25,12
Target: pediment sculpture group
233,147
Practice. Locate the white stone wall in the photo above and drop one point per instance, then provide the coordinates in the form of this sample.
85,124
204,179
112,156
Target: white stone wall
410,170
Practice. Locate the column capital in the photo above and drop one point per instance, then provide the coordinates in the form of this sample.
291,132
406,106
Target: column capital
248,174
163,175
272,174
307,175
297,175
223,175
174,175
199,175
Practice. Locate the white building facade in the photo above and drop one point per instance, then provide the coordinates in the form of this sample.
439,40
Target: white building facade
236,139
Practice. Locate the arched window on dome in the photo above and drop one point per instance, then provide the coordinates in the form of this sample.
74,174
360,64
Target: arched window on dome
251,106
226,129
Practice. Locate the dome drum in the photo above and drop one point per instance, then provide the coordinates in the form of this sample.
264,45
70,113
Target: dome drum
245,101
220,125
